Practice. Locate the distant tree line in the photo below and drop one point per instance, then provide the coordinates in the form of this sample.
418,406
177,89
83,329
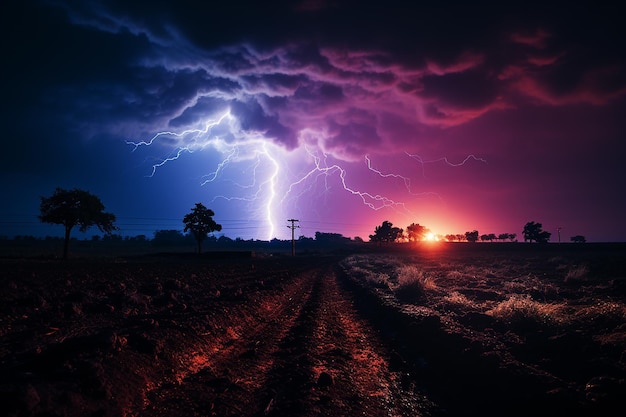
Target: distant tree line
532,232
387,232
473,236
79,208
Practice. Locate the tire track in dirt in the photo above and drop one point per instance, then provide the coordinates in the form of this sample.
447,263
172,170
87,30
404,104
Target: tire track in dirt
228,374
334,364
312,355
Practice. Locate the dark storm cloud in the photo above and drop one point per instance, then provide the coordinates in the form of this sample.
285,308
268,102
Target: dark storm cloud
352,133
139,67
253,120
272,84
461,90
583,71
538,92
197,114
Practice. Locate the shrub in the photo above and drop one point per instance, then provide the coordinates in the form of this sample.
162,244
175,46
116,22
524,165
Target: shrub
457,299
375,270
522,309
576,273
602,313
412,283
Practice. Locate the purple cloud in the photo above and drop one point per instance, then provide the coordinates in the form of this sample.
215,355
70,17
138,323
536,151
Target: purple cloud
348,79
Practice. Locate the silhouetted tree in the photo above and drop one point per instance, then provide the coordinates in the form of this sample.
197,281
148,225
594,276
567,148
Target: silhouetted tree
224,240
578,239
416,232
471,236
330,237
533,233
386,233
75,208
168,237
139,238
200,222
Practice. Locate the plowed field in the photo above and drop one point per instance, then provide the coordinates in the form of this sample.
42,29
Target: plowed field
421,333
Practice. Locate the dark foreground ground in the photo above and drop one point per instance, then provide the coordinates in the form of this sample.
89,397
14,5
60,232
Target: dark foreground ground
455,330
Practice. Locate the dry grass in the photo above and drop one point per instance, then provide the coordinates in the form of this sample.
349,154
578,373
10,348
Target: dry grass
512,289
457,299
522,308
412,283
558,310
577,273
411,274
376,270
602,311
408,280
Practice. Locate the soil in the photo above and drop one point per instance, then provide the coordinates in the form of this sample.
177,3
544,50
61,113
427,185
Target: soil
185,335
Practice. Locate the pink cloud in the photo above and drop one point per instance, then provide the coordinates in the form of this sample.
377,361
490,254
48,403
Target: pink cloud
544,60
596,86
466,61
345,100
445,116
537,38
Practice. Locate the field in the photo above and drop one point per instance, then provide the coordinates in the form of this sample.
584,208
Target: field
433,330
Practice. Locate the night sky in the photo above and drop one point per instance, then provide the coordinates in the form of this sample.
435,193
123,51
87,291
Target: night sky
341,114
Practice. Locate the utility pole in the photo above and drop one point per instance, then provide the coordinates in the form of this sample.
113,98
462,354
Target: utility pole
293,227
558,230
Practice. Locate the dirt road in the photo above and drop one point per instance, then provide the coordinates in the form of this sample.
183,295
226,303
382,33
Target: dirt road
308,354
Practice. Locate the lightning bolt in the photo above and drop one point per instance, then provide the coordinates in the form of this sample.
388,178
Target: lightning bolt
252,147
196,138
260,150
406,180
444,159
265,167
323,170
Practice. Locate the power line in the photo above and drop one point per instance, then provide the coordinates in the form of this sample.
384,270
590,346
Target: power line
293,227
13,223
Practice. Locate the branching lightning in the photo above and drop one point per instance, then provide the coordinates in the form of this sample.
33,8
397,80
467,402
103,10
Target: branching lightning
444,159
252,147
197,138
322,169
407,180
265,174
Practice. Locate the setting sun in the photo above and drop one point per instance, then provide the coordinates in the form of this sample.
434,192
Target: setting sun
431,237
